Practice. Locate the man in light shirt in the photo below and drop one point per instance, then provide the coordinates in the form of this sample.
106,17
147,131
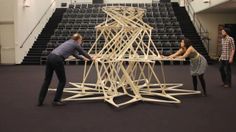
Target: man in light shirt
226,58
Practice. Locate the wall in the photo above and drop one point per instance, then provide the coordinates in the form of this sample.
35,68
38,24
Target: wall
181,2
72,1
6,6
127,1
21,25
106,1
211,22
7,50
7,43
26,19
198,5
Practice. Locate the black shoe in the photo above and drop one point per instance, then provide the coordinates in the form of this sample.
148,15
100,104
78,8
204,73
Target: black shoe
226,86
40,104
58,103
204,94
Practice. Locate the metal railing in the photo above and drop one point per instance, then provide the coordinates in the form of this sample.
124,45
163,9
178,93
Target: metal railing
202,32
22,45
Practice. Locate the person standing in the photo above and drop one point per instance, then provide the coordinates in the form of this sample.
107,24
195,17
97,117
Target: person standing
226,58
198,63
55,62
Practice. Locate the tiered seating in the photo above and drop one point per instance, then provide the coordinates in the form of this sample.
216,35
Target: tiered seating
83,18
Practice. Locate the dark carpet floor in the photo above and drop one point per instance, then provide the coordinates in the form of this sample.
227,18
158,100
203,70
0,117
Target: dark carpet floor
20,86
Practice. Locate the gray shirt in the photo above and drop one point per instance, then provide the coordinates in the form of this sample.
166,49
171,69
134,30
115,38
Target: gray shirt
70,47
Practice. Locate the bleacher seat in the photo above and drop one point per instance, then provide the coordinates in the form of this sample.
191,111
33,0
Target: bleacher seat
71,5
83,18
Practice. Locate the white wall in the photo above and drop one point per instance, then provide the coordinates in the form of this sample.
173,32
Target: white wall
106,1
7,51
7,44
211,22
72,1
181,2
127,1
17,23
7,10
83,1
198,5
26,18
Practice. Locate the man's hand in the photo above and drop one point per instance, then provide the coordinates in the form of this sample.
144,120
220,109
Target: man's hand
231,60
94,57
86,59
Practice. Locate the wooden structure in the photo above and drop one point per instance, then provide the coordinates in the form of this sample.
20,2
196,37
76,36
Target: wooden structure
125,64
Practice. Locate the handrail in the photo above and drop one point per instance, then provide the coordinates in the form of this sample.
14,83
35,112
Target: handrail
22,45
202,32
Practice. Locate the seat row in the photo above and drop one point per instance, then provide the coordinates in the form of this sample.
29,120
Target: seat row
89,37
160,4
94,15
77,26
65,32
101,19
99,10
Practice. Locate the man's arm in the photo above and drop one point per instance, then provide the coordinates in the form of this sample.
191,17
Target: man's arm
232,51
78,56
81,51
231,59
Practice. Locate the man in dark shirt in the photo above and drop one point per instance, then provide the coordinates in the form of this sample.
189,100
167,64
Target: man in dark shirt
55,61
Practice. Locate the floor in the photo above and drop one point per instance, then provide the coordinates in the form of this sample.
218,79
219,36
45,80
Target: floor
20,85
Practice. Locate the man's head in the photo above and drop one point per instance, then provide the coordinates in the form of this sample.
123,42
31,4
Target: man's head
225,32
77,37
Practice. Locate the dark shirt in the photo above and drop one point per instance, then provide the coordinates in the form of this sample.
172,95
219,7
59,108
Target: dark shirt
70,47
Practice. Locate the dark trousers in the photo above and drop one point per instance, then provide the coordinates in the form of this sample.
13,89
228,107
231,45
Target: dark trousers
54,62
225,72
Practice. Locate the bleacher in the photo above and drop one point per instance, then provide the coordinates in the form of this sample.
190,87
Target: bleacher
83,18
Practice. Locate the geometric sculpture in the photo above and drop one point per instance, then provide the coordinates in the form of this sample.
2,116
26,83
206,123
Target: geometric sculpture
125,64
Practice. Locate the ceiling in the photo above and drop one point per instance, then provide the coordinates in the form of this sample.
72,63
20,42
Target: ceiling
227,7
